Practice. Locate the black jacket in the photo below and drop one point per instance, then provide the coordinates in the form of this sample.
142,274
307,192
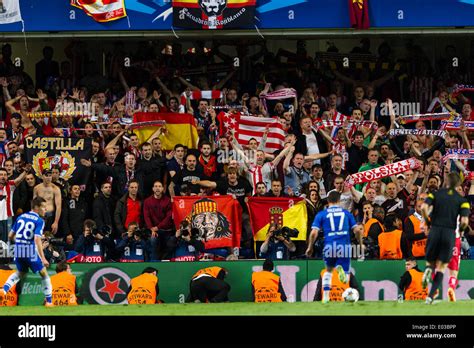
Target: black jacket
103,210
120,215
153,169
73,214
302,147
119,174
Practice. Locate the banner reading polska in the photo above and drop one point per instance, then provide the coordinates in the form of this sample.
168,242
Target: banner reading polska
382,172
284,211
64,154
217,218
213,14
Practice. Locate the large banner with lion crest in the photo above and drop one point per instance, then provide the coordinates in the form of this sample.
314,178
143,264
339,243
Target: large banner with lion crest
217,218
62,153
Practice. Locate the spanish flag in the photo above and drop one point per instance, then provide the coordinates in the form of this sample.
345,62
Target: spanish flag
180,129
285,211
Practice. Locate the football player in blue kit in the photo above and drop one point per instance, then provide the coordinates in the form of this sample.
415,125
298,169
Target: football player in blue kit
28,250
336,224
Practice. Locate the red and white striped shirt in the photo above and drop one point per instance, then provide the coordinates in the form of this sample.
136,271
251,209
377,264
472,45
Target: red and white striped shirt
6,200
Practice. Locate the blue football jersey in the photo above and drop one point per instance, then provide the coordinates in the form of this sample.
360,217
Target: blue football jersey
26,227
336,224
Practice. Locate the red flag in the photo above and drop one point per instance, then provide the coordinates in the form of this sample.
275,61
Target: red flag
218,218
359,14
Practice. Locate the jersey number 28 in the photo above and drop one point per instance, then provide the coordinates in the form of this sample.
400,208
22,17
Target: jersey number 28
26,230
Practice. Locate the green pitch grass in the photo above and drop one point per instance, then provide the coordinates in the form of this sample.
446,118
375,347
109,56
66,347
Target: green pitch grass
241,308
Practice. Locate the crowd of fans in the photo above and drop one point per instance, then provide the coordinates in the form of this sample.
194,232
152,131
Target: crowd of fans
124,212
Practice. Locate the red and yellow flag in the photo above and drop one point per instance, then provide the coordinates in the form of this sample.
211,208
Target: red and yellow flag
180,129
217,218
289,212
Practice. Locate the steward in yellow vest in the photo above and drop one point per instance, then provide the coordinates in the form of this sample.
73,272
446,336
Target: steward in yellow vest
410,282
144,289
64,286
11,297
266,285
208,285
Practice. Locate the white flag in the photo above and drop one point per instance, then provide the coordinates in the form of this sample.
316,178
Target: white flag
10,11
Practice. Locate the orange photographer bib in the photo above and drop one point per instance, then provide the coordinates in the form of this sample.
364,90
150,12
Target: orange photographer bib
337,287
389,244
266,286
415,291
11,297
143,289
212,271
64,289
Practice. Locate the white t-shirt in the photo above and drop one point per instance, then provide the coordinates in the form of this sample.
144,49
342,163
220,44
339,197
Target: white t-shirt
312,145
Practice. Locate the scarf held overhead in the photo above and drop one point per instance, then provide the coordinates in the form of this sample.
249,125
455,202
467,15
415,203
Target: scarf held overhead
284,93
402,131
382,172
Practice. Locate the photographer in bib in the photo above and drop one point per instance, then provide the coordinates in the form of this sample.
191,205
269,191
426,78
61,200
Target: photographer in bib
93,245
185,245
278,245
134,245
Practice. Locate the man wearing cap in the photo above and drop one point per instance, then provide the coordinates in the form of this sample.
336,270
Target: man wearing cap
52,194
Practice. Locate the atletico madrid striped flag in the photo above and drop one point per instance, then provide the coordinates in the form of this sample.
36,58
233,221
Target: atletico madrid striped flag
180,129
289,212
102,11
244,128
218,219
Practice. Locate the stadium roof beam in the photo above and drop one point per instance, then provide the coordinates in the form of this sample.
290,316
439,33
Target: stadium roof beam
268,33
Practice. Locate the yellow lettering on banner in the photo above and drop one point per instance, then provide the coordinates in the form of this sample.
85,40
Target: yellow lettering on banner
55,144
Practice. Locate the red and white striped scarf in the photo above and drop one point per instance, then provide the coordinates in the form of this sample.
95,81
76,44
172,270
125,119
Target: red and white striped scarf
283,93
426,117
196,95
382,172
456,125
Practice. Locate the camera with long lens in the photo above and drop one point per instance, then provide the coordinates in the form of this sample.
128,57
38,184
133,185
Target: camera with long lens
104,231
286,233
143,233
184,229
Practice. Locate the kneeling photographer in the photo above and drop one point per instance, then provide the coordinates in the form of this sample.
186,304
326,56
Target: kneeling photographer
133,247
278,245
185,245
53,248
94,245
